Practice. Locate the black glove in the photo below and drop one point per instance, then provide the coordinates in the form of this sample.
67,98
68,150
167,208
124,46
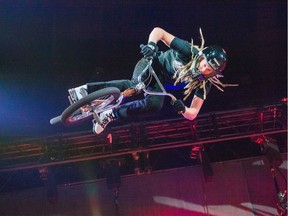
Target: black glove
178,106
149,50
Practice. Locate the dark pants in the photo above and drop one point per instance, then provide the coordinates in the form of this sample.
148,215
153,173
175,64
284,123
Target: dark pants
149,104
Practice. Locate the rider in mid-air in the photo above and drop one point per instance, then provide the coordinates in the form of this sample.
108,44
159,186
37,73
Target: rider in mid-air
198,68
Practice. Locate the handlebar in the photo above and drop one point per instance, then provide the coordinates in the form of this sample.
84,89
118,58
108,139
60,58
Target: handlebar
141,85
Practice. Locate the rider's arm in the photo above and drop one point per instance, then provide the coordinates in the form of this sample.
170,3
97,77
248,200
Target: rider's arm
158,34
192,112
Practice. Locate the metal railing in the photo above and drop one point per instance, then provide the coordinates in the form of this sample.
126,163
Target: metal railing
144,136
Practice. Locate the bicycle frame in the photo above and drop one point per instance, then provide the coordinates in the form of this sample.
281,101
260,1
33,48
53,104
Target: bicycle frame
138,88
151,71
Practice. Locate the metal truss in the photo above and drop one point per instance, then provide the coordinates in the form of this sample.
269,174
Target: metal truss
144,136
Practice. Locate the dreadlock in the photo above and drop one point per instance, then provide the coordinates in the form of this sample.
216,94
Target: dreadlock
183,74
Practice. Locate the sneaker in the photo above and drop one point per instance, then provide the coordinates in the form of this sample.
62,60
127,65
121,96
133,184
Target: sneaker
77,93
105,118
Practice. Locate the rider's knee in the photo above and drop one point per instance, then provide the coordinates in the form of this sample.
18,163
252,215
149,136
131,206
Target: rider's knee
154,104
126,84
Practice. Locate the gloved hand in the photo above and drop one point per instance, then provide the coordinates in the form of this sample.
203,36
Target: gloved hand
149,50
178,106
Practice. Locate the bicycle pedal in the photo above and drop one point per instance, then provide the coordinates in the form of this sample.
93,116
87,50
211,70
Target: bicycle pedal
70,100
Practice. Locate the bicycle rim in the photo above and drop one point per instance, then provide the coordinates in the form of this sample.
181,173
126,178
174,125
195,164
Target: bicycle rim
95,102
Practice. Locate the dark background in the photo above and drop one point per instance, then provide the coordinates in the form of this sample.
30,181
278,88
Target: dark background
48,47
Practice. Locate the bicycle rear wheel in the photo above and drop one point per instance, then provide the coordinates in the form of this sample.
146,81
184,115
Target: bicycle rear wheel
83,109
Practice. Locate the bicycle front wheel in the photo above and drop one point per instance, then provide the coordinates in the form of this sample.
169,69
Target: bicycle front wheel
83,109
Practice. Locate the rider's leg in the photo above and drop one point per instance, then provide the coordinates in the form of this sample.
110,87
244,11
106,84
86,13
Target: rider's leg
140,66
82,91
149,104
120,84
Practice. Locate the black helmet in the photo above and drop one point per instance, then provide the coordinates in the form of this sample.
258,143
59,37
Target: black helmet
216,57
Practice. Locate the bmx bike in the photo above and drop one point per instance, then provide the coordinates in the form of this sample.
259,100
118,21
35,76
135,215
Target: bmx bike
108,98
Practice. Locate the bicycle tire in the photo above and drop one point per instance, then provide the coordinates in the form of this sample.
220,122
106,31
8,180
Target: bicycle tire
104,97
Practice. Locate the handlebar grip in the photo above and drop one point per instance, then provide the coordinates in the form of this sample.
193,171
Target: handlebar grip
55,120
150,57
